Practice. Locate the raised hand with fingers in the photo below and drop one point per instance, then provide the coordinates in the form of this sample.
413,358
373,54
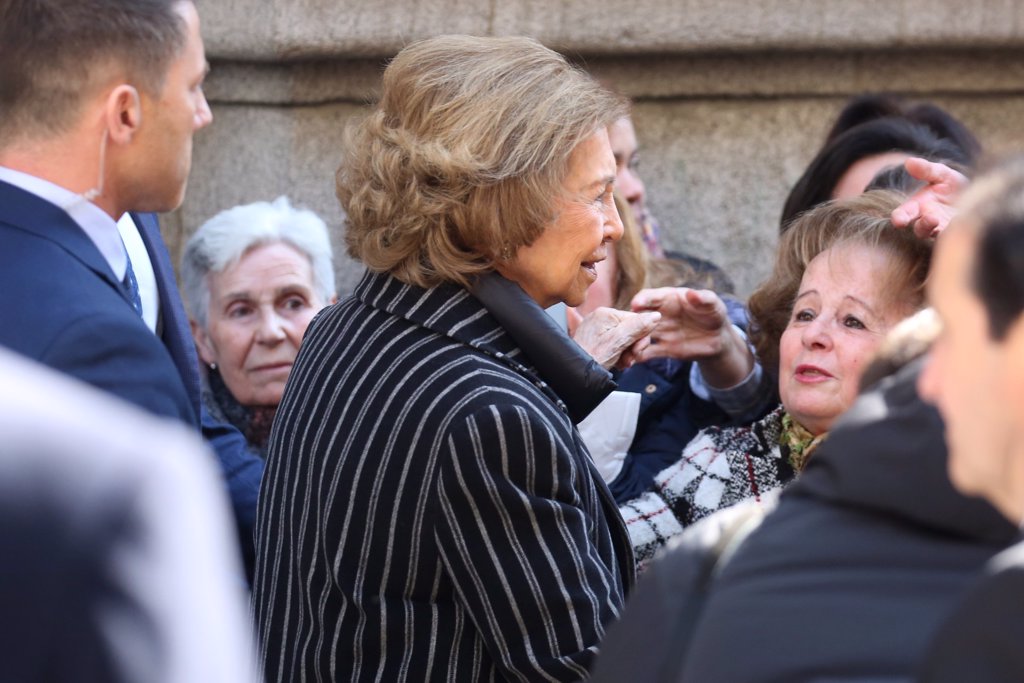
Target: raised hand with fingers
929,210
695,326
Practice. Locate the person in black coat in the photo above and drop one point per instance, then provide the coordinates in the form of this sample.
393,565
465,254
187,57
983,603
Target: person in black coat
847,579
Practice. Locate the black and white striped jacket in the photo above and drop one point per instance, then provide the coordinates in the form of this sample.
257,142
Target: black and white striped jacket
429,512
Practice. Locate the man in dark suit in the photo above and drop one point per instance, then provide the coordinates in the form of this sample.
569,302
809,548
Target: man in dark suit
976,378
98,105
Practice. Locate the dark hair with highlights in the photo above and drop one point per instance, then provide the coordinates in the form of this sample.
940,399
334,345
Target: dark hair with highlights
879,136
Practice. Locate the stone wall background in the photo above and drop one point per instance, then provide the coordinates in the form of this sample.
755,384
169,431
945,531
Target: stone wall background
732,97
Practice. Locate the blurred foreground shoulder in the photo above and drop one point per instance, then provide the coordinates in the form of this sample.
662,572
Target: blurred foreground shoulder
120,563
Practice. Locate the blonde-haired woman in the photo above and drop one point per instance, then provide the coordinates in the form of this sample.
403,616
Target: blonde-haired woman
429,511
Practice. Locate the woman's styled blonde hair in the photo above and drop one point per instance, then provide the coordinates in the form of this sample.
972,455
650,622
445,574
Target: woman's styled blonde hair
631,256
463,158
862,220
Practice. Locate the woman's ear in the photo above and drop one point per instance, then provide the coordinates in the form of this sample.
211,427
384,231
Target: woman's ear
123,113
204,346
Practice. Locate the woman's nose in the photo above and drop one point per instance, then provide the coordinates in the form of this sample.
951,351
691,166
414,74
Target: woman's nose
271,329
612,223
630,186
817,334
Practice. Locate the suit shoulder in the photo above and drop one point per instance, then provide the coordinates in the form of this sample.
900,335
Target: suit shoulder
98,339
41,276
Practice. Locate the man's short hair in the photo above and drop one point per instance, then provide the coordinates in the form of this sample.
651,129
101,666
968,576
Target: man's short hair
994,208
54,53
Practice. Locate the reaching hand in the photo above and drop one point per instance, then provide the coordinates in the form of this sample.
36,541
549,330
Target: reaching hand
695,326
929,210
693,322
614,338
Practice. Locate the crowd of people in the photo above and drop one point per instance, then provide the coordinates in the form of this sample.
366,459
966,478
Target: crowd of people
533,443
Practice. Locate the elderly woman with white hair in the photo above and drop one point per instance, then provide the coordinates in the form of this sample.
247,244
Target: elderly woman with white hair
254,276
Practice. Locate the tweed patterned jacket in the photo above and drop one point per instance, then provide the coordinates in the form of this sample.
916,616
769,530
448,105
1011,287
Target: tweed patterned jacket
722,466
429,511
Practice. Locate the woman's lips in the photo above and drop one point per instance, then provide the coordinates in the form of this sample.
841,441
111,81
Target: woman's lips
273,367
591,265
811,374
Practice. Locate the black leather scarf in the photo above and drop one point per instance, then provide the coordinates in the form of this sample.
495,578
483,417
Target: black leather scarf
571,372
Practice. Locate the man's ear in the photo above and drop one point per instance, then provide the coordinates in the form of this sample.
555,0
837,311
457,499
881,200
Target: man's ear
123,113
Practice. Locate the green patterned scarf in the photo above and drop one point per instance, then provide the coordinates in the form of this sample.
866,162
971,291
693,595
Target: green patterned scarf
801,443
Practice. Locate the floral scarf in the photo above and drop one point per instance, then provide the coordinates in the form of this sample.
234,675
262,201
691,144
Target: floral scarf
800,442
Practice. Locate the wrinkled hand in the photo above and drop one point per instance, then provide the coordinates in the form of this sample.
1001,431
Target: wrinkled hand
614,338
695,326
929,210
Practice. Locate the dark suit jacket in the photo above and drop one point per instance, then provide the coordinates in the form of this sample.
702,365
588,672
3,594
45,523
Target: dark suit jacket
63,307
429,511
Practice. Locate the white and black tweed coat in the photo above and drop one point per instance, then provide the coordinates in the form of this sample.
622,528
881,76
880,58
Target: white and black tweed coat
721,467
429,512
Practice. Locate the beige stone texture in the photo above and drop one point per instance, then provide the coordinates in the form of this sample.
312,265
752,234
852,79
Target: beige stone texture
732,97
290,29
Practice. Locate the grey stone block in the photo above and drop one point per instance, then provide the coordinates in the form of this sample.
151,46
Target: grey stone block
303,29
732,97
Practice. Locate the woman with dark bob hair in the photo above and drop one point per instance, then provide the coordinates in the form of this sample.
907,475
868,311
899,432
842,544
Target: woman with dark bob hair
849,160
874,106
429,511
